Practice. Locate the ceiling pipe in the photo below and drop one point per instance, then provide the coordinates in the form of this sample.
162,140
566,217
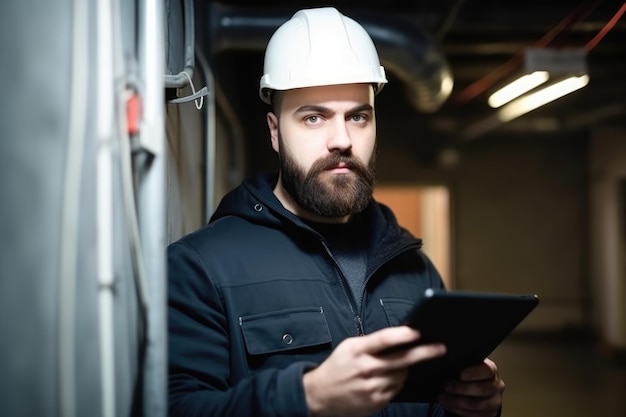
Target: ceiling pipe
405,50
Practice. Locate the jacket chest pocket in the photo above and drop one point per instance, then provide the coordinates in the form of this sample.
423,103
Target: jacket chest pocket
396,309
277,338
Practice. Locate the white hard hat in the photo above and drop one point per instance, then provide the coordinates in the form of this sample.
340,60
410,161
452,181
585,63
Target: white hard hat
319,47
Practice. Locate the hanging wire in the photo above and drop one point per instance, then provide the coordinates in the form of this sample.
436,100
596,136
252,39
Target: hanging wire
609,25
195,95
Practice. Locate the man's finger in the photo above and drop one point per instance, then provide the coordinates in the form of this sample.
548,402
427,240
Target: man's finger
485,370
388,338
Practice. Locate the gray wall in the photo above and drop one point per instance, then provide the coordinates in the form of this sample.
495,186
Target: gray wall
519,218
521,223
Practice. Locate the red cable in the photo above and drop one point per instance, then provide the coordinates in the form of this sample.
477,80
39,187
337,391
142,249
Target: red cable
482,84
609,25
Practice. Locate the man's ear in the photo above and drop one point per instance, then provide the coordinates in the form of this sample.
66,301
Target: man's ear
272,124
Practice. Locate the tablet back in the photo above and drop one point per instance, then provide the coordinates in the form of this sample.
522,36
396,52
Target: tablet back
470,324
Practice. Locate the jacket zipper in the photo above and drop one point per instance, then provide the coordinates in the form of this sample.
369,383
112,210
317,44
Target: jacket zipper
346,293
375,268
358,321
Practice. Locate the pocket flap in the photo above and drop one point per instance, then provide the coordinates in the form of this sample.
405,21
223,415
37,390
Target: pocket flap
396,309
284,330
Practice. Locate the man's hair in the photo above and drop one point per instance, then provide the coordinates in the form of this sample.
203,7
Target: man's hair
276,98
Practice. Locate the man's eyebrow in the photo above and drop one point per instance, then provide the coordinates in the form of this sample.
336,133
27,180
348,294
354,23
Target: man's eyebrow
362,107
313,108
322,109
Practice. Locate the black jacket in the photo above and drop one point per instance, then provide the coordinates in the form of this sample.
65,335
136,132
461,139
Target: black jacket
256,298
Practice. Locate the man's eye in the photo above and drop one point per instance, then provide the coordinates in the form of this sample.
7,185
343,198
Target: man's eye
358,118
312,119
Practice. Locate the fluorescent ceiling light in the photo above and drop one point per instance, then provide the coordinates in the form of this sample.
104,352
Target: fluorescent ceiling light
518,87
539,98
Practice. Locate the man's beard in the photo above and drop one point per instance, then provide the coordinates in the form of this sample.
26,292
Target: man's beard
336,196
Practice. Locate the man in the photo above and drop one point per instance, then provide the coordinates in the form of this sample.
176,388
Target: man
287,302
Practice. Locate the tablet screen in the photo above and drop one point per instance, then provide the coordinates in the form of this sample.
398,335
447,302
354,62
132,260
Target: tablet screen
470,324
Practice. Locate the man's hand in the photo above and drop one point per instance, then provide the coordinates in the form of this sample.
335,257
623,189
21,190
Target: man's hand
478,392
357,379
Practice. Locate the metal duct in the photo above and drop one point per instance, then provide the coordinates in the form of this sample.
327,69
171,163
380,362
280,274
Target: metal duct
404,49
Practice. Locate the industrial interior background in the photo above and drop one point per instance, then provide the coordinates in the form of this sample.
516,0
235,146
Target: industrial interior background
537,204
94,189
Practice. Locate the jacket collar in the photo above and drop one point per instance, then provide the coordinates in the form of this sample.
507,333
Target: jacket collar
254,200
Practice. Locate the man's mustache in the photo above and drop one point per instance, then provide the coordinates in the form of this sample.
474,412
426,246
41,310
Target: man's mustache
335,160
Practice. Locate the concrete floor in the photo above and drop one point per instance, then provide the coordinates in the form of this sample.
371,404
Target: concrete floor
548,378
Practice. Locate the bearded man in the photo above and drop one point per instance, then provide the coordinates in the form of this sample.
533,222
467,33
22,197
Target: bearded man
287,302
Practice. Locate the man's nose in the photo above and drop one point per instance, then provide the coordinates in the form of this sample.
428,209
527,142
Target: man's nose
339,137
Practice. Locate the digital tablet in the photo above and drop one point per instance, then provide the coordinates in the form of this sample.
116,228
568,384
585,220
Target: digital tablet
470,324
